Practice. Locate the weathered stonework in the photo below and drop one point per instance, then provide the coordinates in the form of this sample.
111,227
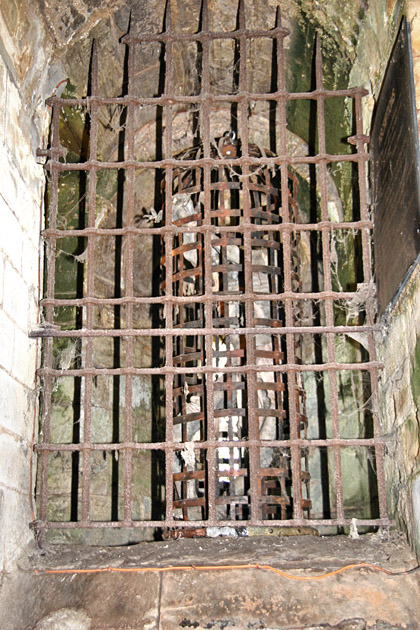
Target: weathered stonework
413,15
25,81
398,349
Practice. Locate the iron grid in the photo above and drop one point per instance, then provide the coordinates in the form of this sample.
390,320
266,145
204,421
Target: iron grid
288,367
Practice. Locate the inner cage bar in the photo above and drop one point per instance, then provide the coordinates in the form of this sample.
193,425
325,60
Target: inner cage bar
255,491
239,434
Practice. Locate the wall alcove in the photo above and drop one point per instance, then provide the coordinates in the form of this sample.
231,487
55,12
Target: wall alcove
199,352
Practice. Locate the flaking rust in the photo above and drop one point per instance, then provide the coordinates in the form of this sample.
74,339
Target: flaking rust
239,532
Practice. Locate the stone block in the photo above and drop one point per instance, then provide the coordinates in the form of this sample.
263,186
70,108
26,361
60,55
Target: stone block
413,15
24,40
14,522
14,458
18,131
32,306
415,490
65,618
3,79
7,333
15,406
15,299
24,357
2,526
30,258
13,129
260,599
11,232
416,73
1,277
29,190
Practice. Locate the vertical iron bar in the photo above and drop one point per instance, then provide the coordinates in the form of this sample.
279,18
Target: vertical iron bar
168,243
208,288
49,316
294,419
254,451
326,261
90,292
370,310
129,286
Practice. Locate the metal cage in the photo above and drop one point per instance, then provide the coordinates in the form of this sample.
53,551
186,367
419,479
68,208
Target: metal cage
247,402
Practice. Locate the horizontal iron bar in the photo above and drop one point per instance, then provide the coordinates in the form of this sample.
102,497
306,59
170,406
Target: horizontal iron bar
203,35
213,298
52,331
179,446
380,522
201,162
209,369
212,229
204,97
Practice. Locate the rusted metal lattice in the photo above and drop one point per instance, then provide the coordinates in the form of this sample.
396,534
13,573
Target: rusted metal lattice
231,389
247,342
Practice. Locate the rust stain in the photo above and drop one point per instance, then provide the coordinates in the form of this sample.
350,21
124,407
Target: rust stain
390,6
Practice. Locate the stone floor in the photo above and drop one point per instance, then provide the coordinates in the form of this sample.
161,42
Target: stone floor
216,598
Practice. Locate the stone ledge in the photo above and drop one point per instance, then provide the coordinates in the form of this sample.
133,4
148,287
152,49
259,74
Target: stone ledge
240,598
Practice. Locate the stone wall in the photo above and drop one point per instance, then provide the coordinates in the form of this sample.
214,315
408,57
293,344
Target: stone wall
25,81
413,14
399,350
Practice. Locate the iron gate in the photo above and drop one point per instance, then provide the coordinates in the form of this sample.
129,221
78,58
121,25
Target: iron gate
237,438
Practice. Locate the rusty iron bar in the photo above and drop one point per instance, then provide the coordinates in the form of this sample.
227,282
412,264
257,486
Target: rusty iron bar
240,363
302,295
282,227
360,140
208,369
129,284
49,319
50,331
303,443
295,451
288,369
361,157
326,263
204,97
253,428
205,125
38,525
88,358
168,89
363,522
